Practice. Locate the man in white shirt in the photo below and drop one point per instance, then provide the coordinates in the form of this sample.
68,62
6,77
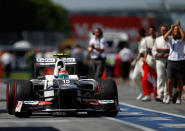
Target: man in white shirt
148,55
149,45
126,57
160,51
138,69
96,50
6,60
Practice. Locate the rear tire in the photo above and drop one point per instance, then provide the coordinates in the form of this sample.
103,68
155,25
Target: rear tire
108,91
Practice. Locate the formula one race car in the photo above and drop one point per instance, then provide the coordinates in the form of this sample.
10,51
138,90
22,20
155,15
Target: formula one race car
60,94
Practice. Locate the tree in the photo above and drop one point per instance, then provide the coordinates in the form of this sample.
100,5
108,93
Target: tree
32,15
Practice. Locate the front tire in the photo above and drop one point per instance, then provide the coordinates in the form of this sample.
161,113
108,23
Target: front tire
108,91
10,97
18,90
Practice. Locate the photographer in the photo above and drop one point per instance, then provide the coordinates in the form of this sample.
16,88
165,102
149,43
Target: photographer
96,50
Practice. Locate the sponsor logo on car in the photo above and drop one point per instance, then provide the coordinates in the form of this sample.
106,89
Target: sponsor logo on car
41,103
19,106
31,102
106,101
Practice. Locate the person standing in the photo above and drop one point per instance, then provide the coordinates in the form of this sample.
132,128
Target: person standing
148,55
149,45
96,49
183,97
126,58
138,69
175,60
6,60
160,51
110,59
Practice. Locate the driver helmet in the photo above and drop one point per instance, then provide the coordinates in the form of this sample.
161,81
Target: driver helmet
63,74
60,65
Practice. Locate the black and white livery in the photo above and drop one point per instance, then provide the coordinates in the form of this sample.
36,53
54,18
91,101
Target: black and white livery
49,93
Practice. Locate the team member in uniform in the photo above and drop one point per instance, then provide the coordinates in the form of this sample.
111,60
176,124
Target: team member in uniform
175,60
96,50
149,45
138,69
160,51
148,55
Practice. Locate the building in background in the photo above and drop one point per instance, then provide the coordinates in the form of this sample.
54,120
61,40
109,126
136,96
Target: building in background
120,15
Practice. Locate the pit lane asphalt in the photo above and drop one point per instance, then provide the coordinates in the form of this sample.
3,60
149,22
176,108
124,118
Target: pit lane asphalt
127,94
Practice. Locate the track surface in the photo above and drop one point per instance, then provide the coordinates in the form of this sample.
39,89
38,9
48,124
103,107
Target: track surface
134,116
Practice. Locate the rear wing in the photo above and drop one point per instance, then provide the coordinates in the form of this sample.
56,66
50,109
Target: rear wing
45,61
52,61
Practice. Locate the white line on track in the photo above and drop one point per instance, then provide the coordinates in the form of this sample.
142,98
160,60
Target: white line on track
146,109
130,124
139,126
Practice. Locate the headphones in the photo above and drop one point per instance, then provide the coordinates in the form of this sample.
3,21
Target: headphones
100,30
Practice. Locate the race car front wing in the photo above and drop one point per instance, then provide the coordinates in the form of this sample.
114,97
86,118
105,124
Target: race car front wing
46,106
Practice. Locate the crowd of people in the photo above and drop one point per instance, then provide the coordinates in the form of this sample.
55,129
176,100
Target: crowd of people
163,55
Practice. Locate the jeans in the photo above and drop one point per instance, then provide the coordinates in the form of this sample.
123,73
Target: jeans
98,67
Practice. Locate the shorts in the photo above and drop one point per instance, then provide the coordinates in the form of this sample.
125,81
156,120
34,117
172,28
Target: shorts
175,69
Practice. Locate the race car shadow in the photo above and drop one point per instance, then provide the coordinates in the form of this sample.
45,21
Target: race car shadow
28,129
47,115
66,115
